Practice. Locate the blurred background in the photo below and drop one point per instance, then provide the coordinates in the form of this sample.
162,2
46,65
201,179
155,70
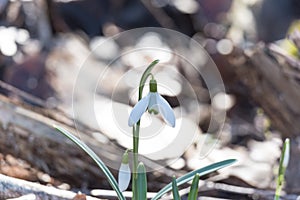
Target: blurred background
254,44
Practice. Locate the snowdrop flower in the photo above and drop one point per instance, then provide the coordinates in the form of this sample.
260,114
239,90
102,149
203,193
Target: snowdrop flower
124,173
155,104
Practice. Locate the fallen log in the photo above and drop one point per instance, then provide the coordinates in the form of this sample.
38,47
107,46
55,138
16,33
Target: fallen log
27,132
29,135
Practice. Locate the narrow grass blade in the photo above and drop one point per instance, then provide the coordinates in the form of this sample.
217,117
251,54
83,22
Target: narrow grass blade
141,182
283,163
175,191
98,161
189,176
193,194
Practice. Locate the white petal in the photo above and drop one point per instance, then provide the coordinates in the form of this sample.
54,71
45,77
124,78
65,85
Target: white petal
165,110
138,110
124,176
153,107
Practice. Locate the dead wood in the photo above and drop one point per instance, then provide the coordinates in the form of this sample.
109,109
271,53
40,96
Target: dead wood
30,135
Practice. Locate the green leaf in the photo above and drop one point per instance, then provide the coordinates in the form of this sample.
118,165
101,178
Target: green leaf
189,176
141,182
194,188
144,77
175,191
98,161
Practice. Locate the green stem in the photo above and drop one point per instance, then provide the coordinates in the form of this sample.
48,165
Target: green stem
144,77
136,131
277,193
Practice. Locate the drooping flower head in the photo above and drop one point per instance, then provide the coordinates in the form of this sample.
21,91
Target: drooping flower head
155,104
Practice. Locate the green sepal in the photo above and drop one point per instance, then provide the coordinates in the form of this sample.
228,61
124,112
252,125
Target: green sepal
153,111
153,85
125,159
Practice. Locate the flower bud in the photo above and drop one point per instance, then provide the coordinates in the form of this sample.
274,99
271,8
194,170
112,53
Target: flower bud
124,173
286,157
